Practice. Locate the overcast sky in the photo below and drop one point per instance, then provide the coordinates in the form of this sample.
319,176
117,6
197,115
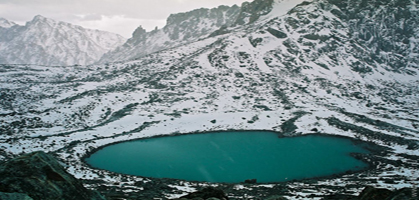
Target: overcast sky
118,16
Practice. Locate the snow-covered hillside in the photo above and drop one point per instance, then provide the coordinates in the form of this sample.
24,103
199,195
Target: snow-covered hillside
323,66
44,41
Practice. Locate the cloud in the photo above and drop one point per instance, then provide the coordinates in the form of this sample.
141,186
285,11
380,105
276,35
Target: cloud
120,24
90,17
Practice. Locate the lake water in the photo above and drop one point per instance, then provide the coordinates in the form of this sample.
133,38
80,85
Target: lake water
230,157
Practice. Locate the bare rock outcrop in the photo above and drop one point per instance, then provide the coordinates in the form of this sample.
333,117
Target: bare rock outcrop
40,176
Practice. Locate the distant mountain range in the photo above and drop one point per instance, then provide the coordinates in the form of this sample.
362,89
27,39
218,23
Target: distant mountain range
44,41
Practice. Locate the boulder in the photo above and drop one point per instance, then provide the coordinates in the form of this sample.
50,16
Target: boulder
276,197
371,193
40,176
206,193
14,196
251,181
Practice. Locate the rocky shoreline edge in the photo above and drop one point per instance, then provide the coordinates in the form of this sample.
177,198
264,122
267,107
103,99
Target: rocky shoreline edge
366,158
39,175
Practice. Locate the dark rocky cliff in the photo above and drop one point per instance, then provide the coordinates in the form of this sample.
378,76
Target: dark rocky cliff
250,12
38,175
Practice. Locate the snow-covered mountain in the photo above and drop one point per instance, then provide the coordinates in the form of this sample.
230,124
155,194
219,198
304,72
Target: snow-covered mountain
44,41
181,28
347,68
4,23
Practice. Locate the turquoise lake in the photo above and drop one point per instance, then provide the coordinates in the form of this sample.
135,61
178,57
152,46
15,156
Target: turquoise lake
231,157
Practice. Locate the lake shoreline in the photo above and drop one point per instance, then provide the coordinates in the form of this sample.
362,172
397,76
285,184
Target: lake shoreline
367,158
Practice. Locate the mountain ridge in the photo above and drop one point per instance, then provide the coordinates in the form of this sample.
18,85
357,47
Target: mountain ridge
247,13
45,41
4,23
181,28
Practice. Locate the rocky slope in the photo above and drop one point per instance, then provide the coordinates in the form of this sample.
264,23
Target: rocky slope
320,66
44,41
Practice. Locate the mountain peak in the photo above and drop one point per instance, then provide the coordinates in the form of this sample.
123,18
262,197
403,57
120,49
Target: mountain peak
139,32
40,18
180,28
54,43
251,11
6,23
